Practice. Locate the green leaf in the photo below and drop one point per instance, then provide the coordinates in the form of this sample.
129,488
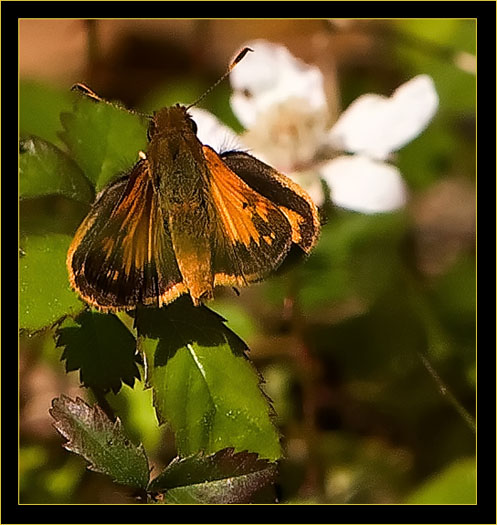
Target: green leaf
45,293
102,348
39,108
136,408
104,140
453,486
91,434
196,367
46,170
223,477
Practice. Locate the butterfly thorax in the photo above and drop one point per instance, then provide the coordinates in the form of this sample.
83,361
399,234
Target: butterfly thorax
175,155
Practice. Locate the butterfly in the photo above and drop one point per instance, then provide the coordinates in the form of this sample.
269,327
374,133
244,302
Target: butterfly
186,219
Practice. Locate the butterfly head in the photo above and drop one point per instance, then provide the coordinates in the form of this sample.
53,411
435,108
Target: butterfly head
171,119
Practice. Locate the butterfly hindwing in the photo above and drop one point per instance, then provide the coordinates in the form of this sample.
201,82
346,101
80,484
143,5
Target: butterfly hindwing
122,254
288,196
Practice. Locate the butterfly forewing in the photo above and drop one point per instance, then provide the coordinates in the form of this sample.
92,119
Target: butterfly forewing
122,254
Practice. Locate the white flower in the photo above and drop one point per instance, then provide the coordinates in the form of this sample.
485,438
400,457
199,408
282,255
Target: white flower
282,103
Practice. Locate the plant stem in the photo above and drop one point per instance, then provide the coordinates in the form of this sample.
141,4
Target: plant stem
103,403
307,368
436,344
92,49
448,394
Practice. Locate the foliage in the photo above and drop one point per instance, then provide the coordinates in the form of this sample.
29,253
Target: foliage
195,366
222,477
46,295
90,433
101,348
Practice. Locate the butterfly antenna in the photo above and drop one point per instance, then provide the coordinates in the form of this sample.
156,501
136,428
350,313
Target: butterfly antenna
88,92
237,59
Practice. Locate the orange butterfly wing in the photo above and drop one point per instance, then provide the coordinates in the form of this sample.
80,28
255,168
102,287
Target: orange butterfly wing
251,236
122,253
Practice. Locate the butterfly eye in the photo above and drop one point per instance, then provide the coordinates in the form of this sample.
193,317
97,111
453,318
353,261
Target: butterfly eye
193,125
247,93
151,130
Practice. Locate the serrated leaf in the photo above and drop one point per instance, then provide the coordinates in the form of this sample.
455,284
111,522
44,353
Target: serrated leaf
204,386
45,293
44,169
223,477
104,140
102,348
92,435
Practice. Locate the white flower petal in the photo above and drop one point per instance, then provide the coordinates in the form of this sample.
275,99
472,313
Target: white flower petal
270,76
365,185
414,105
376,126
212,132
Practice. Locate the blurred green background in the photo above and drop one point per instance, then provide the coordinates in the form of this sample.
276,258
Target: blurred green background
368,349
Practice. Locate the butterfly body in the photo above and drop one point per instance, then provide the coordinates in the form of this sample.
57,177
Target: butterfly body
184,220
